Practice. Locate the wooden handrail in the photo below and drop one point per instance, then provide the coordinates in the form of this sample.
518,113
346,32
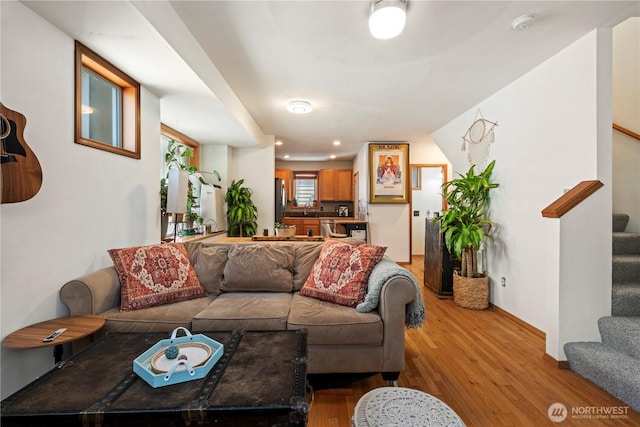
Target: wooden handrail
571,199
626,131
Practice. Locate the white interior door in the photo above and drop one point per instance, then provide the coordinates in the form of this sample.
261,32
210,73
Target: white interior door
426,200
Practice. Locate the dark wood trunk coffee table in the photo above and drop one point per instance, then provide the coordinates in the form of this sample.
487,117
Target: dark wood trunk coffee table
259,381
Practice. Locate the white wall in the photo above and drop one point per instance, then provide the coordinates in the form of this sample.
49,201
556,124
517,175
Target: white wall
90,200
546,141
257,167
426,151
214,157
388,224
626,113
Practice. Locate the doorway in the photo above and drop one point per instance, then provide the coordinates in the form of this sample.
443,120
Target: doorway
426,200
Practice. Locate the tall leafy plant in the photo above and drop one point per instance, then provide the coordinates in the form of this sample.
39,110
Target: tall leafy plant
465,224
242,213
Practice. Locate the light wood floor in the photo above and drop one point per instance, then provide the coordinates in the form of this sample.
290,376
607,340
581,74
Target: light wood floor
487,366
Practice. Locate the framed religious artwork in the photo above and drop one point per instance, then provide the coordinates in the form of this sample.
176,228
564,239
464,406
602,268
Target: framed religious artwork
389,175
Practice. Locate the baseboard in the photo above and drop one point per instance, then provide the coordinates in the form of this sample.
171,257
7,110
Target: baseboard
560,364
520,322
564,364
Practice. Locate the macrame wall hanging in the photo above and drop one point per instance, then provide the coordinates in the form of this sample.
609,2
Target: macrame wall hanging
478,139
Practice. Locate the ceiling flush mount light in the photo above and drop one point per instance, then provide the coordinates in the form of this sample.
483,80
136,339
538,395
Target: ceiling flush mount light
523,22
299,107
387,18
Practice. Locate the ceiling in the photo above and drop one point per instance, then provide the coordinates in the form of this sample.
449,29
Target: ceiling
224,70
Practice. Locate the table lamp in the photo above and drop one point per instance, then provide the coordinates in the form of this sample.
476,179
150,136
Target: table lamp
178,186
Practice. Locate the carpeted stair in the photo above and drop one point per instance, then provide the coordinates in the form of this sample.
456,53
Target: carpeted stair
614,363
625,298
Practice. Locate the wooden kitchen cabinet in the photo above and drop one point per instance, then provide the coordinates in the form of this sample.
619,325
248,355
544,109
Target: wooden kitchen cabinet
287,177
335,184
344,187
327,184
298,222
312,224
303,225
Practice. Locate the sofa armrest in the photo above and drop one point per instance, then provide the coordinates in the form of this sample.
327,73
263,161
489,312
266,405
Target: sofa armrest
396,293
94,293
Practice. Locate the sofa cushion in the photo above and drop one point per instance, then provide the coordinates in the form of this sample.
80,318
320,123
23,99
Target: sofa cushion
162,318
306,255
209,262
330,323
264,311
259,268
155,275
341,272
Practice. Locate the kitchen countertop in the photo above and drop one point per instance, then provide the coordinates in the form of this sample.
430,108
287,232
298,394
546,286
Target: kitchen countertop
193,237
336,218
349,220
312,214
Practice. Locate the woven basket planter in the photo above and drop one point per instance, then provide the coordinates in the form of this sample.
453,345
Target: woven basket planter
471,292
286,232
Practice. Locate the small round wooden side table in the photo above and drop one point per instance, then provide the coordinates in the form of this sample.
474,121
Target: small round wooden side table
31,336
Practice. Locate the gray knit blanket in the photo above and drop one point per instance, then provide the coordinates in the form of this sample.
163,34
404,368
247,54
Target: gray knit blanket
384,270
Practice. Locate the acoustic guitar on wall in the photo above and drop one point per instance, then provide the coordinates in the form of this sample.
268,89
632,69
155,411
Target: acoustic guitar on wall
21,172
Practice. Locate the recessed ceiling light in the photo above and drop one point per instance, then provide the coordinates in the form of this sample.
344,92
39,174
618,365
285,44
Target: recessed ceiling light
286,156
333,156
299,107
278,142
523,22
336,142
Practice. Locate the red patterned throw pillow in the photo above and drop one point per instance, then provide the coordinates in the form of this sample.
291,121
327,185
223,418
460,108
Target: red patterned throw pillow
341,272
155,275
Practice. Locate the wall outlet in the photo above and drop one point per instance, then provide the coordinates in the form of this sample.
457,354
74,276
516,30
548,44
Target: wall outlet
504,281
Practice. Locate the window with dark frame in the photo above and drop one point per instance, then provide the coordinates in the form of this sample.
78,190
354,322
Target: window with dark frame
107,104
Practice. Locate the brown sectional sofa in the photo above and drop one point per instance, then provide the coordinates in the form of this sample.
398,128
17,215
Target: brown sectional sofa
254,286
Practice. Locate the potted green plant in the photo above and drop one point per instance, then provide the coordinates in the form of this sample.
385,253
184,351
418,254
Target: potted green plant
464,226
242,213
